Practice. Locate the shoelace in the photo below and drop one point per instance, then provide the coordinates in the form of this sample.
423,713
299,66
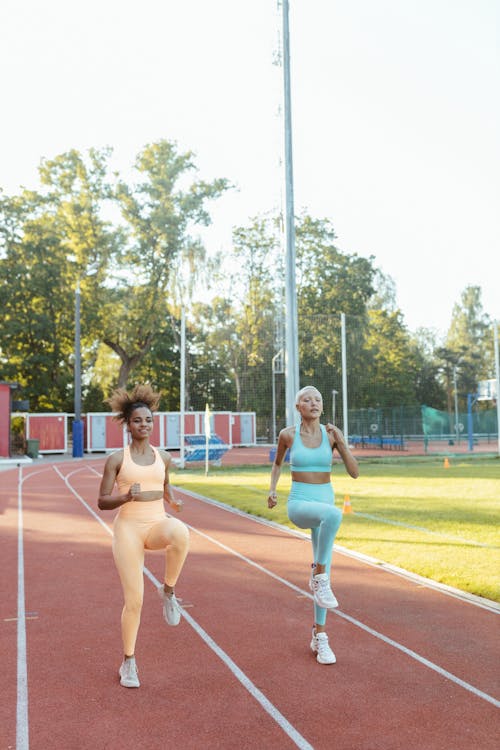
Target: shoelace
130,669
174,600
323,646
322,586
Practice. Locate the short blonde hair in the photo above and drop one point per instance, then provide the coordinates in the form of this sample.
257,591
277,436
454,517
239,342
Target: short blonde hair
303,390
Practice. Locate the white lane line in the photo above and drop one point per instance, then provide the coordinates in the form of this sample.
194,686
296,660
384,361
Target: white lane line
409,652
22,726
357,623
22,717
443,588
425,530
254,691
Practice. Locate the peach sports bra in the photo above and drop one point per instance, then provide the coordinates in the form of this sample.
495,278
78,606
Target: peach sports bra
150,477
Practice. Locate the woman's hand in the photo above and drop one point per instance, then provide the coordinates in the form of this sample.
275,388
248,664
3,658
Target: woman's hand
175,503
134,492
272,500
338,437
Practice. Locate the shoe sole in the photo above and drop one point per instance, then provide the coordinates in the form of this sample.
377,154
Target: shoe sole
323,606
172,624
124,683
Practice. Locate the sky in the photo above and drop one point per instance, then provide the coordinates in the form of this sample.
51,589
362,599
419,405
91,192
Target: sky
395,118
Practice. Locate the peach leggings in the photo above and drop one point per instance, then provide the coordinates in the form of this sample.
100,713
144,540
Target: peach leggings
147,528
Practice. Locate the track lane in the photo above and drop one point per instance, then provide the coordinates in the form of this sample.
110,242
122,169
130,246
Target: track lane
248,537
276,658
71,580
436,626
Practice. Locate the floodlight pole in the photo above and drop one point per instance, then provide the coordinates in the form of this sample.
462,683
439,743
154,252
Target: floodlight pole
345,406
182,404
457,433
291,318
334,394
77,428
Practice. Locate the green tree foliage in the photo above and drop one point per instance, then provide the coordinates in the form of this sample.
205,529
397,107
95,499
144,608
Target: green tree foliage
50,240
159,212
429,389
133,248
393,366
36,299
62,235
469,343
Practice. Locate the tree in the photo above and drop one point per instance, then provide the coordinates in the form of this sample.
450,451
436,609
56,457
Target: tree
159,215
469,342
393,369
50,239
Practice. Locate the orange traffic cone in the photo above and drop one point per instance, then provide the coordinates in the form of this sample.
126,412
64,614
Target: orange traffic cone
446,463
347,507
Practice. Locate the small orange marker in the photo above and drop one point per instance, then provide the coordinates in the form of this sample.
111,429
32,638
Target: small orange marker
347,507
446,463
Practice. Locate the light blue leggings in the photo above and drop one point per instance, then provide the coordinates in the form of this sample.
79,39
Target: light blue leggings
311,506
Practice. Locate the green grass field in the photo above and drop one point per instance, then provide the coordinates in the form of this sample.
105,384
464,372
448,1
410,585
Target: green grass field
442,523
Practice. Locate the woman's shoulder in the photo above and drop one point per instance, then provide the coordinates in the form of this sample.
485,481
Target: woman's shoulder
115,459
287,433
164,455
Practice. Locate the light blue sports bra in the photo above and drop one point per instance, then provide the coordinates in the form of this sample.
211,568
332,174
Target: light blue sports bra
303,458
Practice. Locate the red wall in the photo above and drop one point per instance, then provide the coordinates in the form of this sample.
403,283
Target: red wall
4,420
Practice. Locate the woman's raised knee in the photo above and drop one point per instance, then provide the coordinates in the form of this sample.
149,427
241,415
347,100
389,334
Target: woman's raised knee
333,516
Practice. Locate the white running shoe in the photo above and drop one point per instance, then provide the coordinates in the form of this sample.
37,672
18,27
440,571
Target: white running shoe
321,647
128,673
171,608
322,592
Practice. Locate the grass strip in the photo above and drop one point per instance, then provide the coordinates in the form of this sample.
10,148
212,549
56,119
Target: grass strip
441,523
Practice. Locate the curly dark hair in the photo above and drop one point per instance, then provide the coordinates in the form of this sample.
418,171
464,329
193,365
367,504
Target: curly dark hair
124,403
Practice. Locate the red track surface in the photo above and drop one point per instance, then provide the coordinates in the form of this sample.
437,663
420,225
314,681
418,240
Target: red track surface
416,668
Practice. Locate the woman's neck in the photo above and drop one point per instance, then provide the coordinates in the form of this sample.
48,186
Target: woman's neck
311,425
140,445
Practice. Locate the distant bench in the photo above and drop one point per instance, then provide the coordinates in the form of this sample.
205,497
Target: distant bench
390,443
197,448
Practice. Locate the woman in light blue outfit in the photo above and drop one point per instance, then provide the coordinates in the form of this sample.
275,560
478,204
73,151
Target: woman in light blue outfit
311,500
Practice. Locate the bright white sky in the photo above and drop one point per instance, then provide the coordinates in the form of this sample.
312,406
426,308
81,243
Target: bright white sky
395,114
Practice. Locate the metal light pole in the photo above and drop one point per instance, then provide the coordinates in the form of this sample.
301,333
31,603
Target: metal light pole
344,377
334,394
182,405
276,367
77,423
457,431
497,374
291,320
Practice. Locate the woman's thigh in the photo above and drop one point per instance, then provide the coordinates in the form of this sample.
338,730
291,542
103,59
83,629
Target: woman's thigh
165,532
310,504
128,553
306,514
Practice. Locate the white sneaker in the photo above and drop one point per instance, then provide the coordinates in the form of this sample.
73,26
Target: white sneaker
322,592
171,608
128,673
320,647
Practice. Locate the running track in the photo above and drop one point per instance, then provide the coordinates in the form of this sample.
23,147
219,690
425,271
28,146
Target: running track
416,668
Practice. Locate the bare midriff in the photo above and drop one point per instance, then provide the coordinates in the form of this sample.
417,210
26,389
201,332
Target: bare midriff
311,477
148,496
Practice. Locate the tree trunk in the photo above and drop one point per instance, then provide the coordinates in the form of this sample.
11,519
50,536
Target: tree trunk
128,362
